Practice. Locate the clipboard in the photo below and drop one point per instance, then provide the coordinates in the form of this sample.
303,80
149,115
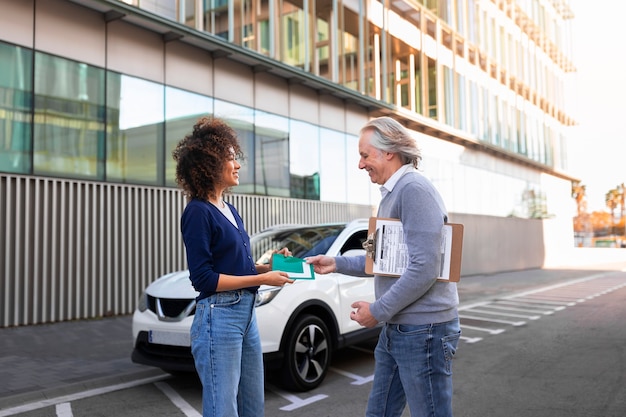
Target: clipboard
387,254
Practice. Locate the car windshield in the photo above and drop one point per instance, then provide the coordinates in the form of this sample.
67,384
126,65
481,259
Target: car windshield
302,241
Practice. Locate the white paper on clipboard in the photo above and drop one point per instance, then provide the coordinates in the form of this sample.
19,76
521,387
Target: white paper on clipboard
387,253
446,251
392,255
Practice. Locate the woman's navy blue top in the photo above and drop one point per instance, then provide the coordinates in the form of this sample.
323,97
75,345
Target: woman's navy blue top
214,246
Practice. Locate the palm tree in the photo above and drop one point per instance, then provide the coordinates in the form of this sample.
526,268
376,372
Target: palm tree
620,193
612,199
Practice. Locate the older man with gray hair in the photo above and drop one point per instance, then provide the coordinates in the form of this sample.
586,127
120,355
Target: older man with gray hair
421,327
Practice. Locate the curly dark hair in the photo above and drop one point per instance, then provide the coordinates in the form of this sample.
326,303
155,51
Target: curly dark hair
200,157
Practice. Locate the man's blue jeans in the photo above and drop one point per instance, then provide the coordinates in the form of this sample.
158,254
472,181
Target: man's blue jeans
414,364
227,352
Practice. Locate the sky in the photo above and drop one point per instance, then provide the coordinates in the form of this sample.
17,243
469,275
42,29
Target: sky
597,146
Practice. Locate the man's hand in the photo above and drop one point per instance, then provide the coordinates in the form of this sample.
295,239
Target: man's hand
322,264
362,315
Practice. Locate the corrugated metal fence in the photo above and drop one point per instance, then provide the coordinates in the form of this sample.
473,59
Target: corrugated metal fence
72,250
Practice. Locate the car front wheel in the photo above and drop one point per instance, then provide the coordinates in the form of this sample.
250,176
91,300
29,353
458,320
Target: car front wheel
307,354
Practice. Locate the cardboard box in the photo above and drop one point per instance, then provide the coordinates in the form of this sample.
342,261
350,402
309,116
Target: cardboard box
387,253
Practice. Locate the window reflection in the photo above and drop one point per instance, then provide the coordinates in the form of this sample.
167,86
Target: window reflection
216,18
69,118
15,108
293,45
333,174
135,130
241,119
304,159
182,111
359,186
271,154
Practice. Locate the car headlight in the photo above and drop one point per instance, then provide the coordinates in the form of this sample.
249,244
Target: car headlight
142,303
266,295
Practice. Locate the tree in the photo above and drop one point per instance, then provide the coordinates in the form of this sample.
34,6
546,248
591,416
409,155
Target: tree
579,192
621,191
615,199
611,199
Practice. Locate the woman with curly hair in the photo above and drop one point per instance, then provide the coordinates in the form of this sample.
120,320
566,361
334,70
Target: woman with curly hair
225,339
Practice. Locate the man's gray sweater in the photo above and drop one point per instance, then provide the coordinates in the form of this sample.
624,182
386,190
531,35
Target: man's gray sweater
416,297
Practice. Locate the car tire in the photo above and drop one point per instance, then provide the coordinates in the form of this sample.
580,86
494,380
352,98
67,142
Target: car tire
308,350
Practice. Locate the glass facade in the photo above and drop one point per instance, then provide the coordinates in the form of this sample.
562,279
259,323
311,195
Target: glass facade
405,52
457,62
89,123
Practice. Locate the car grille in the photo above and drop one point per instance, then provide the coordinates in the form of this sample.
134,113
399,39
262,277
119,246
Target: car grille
171,309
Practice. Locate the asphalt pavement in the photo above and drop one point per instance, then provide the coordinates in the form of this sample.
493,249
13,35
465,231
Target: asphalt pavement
40,362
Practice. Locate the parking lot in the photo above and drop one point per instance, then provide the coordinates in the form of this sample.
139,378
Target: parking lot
549,333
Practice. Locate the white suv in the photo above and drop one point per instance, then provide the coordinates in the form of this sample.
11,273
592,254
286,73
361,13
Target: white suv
300,324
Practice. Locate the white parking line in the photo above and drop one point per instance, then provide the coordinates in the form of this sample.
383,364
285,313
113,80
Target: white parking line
64,410
500,313
538,300
78,396
296,402
177,400
483,329
506,307
358,380
512,323
471,339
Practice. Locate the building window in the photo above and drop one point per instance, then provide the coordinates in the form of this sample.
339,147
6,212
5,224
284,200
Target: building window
304,160
333,168
15,108
241,119
69,118
432,89
359,188
461,104
182,111
271,156
449,90
293,41
473,109
216,18
135,142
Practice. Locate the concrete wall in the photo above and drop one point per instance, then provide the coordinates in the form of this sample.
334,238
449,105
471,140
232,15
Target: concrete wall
497,244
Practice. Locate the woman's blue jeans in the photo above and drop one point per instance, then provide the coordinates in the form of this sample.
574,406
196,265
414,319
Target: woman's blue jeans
414,365
227,352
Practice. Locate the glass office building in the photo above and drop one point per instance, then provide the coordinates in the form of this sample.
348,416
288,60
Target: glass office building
94,95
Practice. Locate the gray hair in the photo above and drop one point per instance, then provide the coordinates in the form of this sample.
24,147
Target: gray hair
390,136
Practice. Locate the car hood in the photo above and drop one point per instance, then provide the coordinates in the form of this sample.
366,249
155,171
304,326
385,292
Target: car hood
173,285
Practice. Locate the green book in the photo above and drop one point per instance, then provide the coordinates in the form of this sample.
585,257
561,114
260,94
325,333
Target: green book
296,268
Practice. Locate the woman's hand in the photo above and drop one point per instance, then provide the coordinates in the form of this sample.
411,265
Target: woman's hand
275,278
284,251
